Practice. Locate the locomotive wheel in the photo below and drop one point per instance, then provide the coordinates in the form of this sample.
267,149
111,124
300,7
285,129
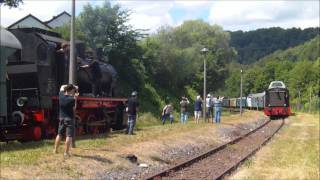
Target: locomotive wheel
79,125
91,128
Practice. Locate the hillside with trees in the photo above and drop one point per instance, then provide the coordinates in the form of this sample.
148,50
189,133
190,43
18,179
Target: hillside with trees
306,51
253,45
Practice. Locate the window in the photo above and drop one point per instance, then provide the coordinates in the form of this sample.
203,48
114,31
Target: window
42,52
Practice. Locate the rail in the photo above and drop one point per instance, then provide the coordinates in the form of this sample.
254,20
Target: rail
206,154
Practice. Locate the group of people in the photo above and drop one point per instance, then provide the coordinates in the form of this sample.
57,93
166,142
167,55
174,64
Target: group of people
213,110
67,105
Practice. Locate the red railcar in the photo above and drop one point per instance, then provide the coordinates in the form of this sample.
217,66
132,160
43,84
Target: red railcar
277,101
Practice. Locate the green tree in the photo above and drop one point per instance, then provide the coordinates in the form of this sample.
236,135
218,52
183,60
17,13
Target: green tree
11,3
174,59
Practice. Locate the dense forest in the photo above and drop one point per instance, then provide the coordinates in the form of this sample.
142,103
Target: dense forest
168,64
253,45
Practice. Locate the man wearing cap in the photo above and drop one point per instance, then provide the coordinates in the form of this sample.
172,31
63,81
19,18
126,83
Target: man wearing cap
132,109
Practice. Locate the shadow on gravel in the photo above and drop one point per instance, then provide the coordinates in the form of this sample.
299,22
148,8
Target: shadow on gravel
239,126
96,158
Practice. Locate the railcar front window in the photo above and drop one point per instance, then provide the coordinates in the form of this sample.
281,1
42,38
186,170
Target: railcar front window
277,98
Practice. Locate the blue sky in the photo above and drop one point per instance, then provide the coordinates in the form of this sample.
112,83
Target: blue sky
231,15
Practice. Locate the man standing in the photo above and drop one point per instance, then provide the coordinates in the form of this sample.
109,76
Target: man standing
67,101
132,109
184,109
197,109
208,108
217,109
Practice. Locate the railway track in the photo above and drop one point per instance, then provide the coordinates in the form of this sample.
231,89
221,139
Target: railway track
216,163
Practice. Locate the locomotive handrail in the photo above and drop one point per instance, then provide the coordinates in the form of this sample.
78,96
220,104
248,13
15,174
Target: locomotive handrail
24,89
82,98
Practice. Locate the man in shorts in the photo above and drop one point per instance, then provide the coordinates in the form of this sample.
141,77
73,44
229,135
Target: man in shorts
67,101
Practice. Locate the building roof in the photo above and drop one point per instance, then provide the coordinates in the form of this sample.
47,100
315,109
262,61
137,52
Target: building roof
29,16
57,16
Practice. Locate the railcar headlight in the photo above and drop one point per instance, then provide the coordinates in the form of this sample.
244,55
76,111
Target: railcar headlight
285,105
21,101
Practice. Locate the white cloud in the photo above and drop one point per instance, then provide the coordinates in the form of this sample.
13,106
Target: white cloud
192,5
249,15
148,14
153,14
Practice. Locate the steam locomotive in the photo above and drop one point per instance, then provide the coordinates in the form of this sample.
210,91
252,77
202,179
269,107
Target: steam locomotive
34,76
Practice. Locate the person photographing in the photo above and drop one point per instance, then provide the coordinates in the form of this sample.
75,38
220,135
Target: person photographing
67,105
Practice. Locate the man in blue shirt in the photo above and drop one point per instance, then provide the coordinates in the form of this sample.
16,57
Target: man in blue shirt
217,109
197,109
67,101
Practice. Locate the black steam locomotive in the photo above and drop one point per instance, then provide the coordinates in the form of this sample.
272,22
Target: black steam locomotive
34,76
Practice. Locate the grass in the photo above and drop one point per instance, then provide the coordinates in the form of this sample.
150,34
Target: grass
292,154
105,152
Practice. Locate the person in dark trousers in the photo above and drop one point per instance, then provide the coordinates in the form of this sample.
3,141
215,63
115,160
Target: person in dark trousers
132,109
67,102
167,113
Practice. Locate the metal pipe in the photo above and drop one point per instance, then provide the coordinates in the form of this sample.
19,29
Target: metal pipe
72,47
204,87
241,93
204,51
72,60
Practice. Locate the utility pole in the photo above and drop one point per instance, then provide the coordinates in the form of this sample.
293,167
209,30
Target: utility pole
310,99
204,51
72,47
241,92
72,61
299,106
